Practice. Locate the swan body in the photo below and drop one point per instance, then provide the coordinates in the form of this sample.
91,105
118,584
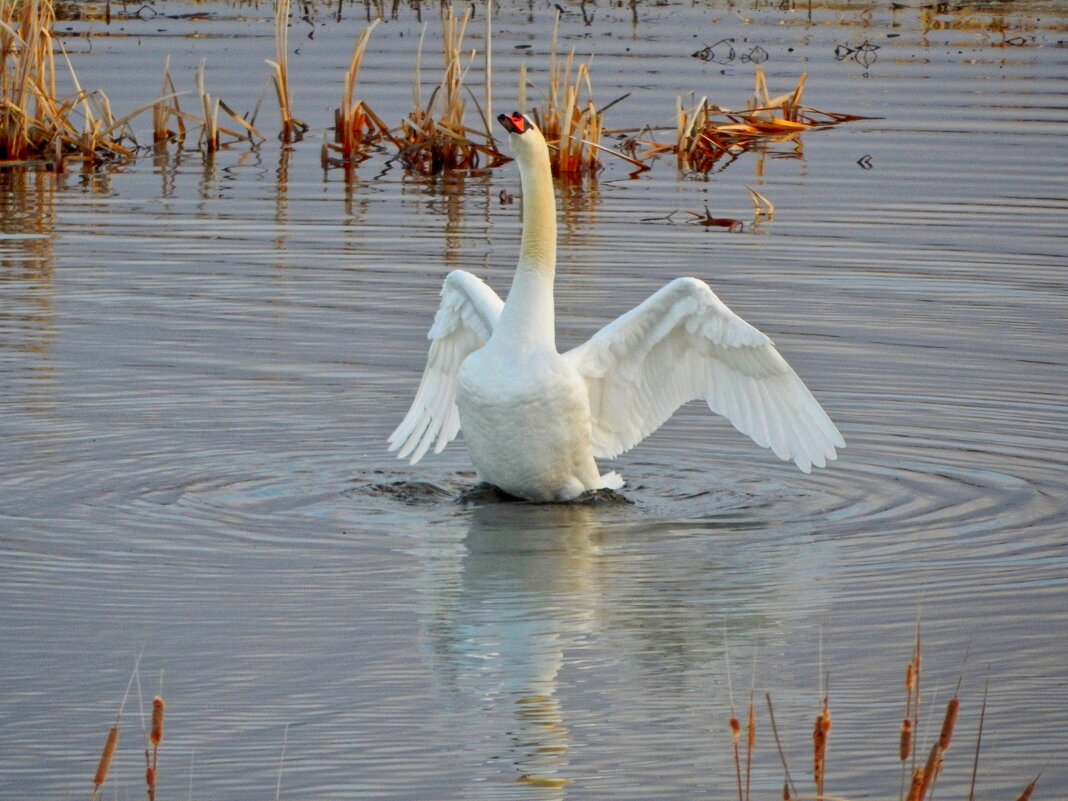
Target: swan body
535,420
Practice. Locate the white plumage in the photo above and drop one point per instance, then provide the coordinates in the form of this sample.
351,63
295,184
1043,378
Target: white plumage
534,419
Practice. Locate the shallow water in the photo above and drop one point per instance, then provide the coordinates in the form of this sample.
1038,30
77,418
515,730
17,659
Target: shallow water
200,362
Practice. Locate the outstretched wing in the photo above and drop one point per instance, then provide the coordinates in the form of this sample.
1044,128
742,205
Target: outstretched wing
464,321
684,344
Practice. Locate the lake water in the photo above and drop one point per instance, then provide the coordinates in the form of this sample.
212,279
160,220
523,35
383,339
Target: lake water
200,361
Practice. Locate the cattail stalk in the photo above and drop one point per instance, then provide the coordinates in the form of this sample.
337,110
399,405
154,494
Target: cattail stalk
110,744
778,745
750,745
978,743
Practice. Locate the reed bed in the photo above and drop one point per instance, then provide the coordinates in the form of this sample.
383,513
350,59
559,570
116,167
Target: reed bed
707,133
35,123
435,138
568,117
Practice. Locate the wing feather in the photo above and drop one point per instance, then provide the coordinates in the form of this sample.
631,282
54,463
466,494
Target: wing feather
684,344
464,322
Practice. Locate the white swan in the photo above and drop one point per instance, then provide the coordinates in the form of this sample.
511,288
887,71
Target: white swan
534,419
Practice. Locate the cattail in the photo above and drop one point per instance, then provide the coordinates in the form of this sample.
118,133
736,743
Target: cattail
948,723
917,783
751,728
150,780
930,770
157,721
1028,790
736,730
736,736
110,745
786,791
906,739
819,740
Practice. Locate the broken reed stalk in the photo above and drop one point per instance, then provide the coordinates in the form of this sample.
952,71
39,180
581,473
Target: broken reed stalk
166,107
788,786
356,126
292,128
209,134
978,742
750,744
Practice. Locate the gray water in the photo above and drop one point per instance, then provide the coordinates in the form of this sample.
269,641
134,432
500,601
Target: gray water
200,361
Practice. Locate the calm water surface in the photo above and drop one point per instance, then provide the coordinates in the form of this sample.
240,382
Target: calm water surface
200,362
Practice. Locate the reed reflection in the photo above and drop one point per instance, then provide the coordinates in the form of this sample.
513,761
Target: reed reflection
27,269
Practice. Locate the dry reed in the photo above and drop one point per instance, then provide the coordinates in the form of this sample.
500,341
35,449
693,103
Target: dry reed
569,119
356,127
292,128
707,133
211,131
435,138
35,123
165,108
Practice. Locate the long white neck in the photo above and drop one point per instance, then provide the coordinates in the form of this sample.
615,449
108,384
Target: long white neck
528,318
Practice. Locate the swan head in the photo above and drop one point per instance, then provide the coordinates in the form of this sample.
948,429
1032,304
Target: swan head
525,136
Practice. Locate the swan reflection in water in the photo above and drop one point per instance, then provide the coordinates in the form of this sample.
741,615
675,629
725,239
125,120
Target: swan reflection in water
525,593
536,602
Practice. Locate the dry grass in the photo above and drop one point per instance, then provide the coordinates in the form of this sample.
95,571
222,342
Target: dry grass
435,138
